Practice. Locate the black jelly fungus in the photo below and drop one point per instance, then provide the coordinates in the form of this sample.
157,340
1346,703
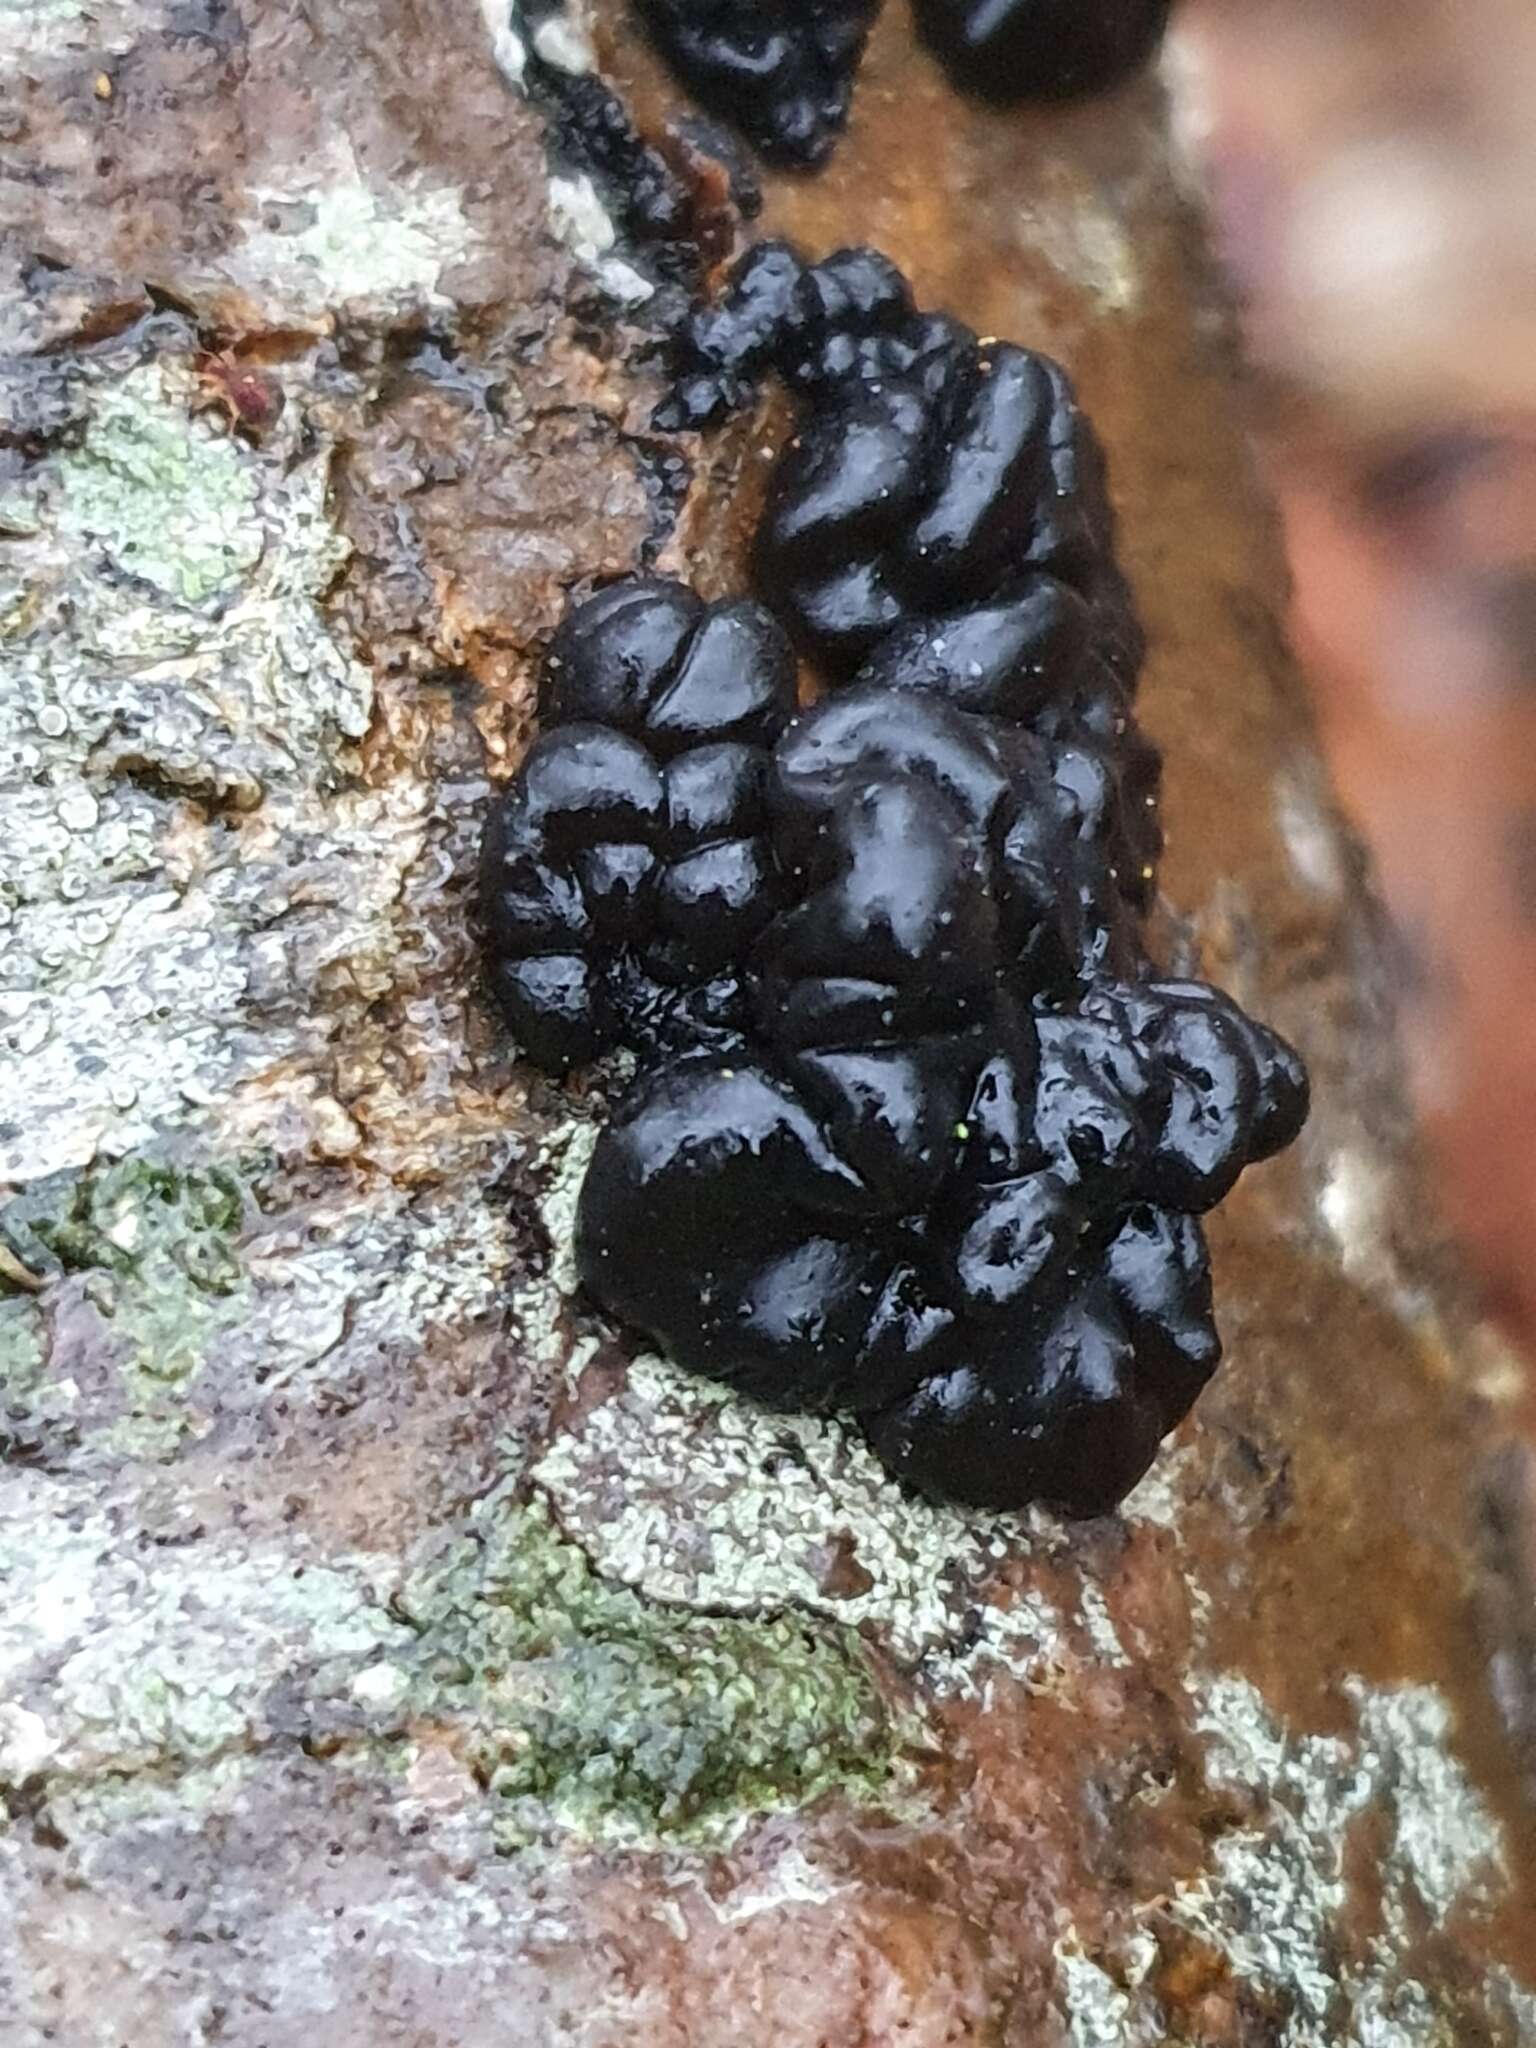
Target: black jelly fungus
623,874
918,1133
781,71
941,521
1006,50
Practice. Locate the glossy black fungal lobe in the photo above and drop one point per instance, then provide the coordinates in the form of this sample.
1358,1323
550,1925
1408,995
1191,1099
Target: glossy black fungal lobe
625,873
940,521
781,71
1006,50
918,1132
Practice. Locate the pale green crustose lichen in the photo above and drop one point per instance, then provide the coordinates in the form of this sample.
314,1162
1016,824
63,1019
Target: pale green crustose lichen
154,1244
577,1700
165,500
162,636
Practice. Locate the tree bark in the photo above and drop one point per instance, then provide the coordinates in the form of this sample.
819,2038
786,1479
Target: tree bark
385,1650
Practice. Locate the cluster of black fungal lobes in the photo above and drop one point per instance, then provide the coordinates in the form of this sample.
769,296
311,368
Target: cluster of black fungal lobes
917,1132
783,70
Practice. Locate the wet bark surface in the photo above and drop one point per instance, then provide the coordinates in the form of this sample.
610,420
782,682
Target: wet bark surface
385,1645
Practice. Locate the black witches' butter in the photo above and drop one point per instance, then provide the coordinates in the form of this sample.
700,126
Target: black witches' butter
918,1133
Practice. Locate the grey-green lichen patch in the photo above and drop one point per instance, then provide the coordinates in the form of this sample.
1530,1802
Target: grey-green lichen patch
575,1705
1515,2001
137,1657
201,897
1275,1900
135,1220
20,514
166,671
537,1310
576,1700
327,236
362,1277
153,1244
1101,2012
768,1494
102,1805
1159,1498
37,28
20,16
159,499
1444,1848
21,1333
135,1276
33,1408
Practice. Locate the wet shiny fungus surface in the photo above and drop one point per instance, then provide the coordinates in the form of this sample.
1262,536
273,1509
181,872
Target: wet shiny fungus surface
919,1133
1005,50
781,70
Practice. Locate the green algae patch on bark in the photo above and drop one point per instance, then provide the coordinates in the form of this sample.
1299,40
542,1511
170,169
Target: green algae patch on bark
166,504
577,1702
153,1247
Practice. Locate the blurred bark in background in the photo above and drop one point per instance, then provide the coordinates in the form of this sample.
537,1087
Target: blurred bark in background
1373,170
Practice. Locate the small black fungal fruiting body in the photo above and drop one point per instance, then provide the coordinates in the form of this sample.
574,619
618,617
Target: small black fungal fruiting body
1006,50
781,70
918,1135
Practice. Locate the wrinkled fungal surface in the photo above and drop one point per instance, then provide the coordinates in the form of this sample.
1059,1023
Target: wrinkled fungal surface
940,521
958,1224
1005,50
781,70
918,1133
626,874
